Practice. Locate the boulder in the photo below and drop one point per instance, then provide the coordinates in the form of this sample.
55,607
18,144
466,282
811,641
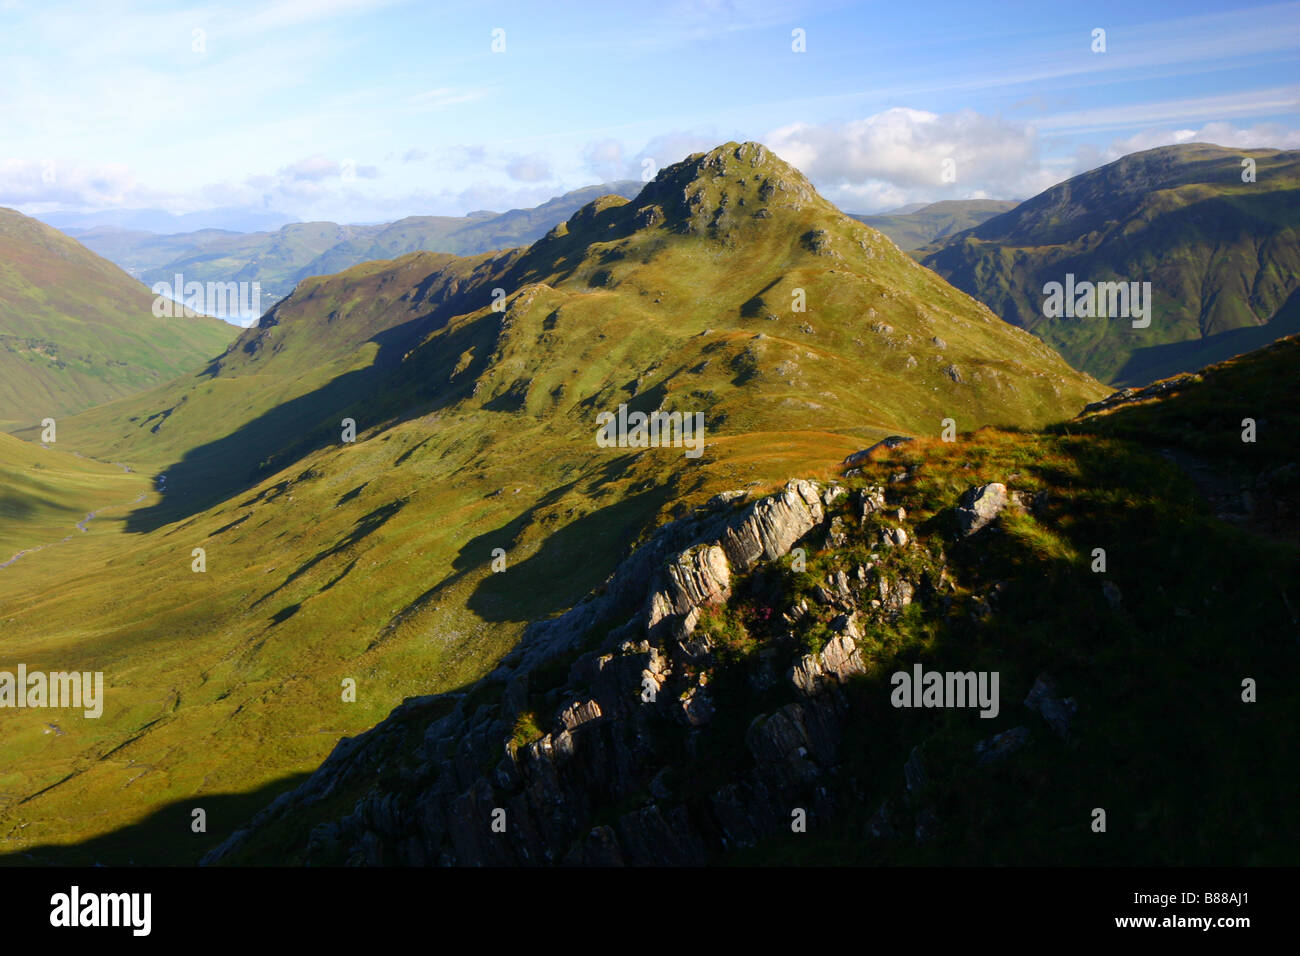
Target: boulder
979,506
1000,746
1058,712
862,457
870,500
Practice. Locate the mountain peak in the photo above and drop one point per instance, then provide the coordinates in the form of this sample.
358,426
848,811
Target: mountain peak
713,194
746,175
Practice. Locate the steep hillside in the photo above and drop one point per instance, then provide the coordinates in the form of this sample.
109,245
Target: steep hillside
731,693
686,294
76,331
930,223
1222,257
380,560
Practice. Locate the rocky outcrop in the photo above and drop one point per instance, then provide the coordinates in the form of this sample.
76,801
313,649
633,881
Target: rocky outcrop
862,457
622,688
1130,396
835,663
979,506
1057,711
773,525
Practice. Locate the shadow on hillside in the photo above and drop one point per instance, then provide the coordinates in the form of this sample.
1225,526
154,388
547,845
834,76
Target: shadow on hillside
1155,362
1159,734
288,432
583,552
165,837
364,527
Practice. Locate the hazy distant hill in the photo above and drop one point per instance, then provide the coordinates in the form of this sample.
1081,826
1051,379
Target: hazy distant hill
913,226
466,235
1222,257
280,259
75,330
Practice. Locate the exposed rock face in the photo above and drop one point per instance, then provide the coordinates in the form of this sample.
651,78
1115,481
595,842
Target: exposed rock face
450,780
1127,396
773,525
600,750
979,506
1058,712
1000,746
838,660
870,500
697,576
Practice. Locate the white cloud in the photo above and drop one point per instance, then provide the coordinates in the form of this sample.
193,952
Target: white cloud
609,161
53,183
900,155
312,169
605,158
528,169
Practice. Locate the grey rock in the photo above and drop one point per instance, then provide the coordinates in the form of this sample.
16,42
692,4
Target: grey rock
578,713
870,500
836,534
773,525
1001,746
862,457
1058,712
980,506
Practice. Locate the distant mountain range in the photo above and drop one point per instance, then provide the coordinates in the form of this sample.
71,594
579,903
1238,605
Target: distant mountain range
76,331
280,259
1222,256
916,225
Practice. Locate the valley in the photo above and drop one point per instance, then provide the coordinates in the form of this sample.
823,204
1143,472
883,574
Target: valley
372,560
442,483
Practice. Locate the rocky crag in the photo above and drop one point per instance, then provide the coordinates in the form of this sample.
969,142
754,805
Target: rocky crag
622,713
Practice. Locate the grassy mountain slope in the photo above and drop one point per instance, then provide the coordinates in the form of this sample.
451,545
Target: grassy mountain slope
75,330
1135,672
930,223
476,427
47,493
1222,257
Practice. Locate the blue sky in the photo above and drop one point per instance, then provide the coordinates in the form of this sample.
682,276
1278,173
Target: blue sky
369,110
